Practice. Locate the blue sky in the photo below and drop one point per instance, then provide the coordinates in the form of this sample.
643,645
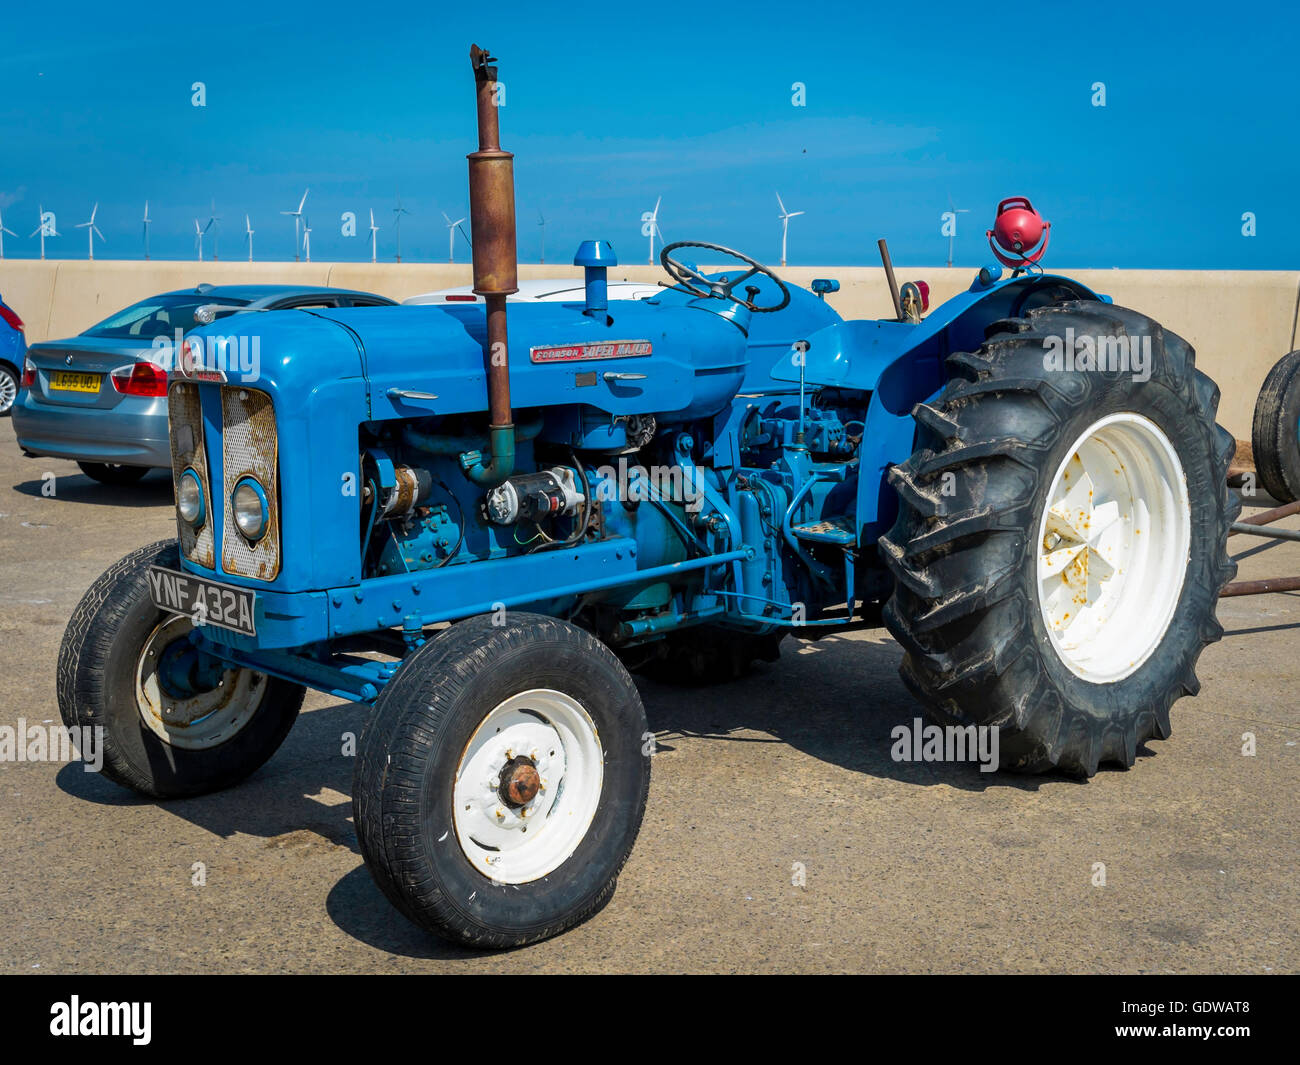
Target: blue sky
609,106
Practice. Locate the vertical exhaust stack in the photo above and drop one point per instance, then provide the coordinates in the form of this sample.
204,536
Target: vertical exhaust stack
492,218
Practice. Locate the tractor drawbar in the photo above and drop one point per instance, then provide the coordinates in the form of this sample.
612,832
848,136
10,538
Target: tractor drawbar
492,221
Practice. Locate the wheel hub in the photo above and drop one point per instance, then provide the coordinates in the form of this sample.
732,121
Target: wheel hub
1113,547
187,700
527,786
520,782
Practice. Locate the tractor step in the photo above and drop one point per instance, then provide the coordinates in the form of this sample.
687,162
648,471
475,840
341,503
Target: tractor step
839,530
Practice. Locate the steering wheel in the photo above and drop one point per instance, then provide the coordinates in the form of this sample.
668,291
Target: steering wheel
721,289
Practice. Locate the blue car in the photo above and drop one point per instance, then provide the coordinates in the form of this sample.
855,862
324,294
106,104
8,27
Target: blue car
13,349
100,398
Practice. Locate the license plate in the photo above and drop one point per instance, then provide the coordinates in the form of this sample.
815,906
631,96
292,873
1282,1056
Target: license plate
66,381
203,601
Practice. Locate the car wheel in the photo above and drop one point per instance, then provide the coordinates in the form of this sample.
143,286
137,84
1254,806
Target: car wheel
112,473
8,389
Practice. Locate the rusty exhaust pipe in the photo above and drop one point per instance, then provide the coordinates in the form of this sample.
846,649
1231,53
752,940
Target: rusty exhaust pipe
492,218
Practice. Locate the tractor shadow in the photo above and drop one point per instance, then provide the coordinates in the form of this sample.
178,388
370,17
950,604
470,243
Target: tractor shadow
306,787
152,490
300,801
836,699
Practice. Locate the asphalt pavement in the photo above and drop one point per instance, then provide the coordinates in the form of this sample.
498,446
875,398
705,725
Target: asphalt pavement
780,834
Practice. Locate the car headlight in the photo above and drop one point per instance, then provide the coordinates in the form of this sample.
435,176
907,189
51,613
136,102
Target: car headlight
189,498
248,501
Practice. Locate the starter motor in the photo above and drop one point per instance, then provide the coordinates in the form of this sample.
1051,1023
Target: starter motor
534,496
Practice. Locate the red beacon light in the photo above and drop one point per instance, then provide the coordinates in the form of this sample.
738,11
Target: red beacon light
1017,229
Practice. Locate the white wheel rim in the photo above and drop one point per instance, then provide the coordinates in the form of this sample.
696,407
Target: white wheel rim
200,721
514,845
1113,545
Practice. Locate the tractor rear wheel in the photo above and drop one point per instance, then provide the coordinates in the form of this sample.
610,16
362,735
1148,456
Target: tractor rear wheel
1060,542
1275,434
501,781
703,656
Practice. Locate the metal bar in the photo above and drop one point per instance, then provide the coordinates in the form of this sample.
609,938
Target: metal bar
1250,529
1267,517
1273,584
593,585
343,683
889,274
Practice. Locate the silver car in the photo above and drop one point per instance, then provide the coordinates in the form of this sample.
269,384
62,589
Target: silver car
101,398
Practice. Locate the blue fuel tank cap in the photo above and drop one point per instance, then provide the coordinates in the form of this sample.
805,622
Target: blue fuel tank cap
595,253
594,256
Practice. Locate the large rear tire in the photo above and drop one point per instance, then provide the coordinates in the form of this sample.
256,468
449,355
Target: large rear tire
704,656
1275,433
1060,542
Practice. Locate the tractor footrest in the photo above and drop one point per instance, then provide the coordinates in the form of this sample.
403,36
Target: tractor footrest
829,531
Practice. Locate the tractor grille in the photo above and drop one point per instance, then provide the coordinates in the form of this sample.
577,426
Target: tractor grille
185,424
249,448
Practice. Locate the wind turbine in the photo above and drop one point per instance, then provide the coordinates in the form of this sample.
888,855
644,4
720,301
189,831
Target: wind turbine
398,211
198,236
785,217
373,230
542,223
954,211
146,221
306,238
650,226
91,229
297,221
248,236
451,236
3,231
44,229
214,218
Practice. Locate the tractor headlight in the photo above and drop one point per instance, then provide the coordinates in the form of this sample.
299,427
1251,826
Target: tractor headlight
189,498
248,501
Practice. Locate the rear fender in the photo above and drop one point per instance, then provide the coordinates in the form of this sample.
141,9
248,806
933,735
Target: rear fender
902,364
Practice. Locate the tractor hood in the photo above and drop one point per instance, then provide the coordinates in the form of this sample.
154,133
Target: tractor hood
637,358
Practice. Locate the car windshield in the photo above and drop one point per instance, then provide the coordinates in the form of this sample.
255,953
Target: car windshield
159,316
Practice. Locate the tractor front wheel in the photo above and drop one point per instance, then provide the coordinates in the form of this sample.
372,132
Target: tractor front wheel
1060,543
172,721
501,781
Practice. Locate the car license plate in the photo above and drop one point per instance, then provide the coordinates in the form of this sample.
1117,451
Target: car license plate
66,381
203,601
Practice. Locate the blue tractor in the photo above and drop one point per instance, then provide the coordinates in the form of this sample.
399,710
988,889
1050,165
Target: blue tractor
483,528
